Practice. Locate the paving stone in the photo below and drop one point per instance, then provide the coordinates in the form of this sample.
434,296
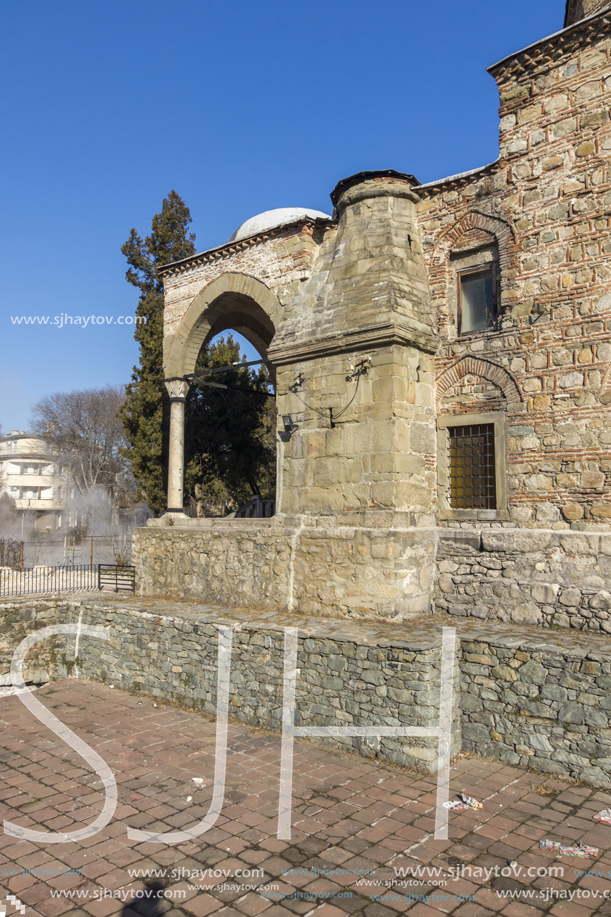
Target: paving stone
305,865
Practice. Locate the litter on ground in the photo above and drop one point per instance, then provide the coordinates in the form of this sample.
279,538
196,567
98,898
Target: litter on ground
581,850
463,802
604,816
470,801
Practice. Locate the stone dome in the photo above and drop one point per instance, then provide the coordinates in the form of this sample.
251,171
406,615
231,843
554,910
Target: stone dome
283,216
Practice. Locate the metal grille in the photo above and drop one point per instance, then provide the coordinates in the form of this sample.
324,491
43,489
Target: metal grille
472,478
116,577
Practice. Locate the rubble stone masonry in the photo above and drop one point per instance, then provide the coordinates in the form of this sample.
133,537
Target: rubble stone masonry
546,204
522,698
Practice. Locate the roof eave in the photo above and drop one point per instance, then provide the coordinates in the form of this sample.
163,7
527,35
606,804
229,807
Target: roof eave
242,243
460,176
542,41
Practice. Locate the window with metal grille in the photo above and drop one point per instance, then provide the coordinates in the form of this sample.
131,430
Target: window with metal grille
472,462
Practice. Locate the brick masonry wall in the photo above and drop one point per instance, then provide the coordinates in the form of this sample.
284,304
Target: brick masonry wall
545,204
280,260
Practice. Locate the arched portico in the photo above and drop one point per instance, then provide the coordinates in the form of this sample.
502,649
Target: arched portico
232,301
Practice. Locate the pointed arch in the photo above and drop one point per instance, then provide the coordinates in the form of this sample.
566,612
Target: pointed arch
485,369
503,232
233,300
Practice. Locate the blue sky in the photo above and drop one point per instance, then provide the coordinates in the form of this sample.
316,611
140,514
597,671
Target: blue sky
241,107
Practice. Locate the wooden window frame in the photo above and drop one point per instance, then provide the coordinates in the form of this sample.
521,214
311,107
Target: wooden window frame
445,510
478,269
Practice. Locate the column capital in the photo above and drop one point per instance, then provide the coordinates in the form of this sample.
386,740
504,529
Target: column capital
177,389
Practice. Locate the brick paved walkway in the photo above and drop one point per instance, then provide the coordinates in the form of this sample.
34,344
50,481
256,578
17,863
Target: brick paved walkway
354,823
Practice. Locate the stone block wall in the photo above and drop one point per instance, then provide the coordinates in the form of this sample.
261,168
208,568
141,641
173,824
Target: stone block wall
238,562
380,452
379,565
552,579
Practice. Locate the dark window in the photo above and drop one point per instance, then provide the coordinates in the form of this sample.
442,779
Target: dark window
477,300
472,478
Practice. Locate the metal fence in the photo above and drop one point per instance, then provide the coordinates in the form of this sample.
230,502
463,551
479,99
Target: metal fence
258,508
45,580
69,551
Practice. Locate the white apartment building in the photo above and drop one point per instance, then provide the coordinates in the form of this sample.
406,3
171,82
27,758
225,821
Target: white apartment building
33,479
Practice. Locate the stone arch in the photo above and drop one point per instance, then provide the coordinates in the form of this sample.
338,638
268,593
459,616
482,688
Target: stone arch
502,231
497,230
494,373
233,300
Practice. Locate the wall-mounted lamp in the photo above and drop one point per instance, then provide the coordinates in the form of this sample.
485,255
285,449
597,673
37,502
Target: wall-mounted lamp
289,428
297,383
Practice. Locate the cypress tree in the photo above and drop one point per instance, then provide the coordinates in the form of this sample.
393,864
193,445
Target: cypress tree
230,435
146,413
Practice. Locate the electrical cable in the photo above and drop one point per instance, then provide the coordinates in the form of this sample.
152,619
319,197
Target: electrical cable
325,412
309,406
343,410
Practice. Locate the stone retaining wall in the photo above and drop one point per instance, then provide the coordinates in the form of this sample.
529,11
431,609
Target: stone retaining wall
48,660
538,706
558,579
341,681
345,568
372,566
544,706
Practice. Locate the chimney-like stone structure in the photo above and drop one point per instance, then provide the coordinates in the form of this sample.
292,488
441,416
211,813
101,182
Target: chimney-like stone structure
355,363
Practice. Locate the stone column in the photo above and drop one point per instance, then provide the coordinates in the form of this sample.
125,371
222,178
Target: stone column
177,390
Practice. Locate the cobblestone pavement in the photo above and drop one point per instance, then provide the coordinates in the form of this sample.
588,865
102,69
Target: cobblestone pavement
357,825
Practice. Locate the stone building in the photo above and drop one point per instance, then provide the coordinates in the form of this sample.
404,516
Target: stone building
442,357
